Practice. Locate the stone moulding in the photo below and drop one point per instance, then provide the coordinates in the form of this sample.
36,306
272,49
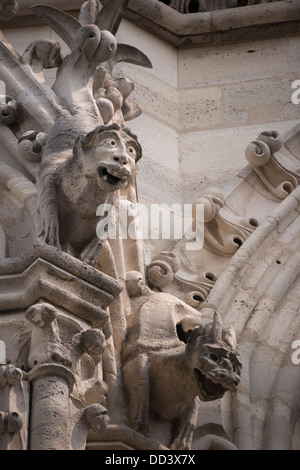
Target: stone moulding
215,26
122,436
43,272
196,28
195,6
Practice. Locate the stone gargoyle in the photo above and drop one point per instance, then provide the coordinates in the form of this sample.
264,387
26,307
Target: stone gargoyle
73,184
166,378
54,131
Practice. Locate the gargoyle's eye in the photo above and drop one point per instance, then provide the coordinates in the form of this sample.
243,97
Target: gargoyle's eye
214,357
113,143
131,150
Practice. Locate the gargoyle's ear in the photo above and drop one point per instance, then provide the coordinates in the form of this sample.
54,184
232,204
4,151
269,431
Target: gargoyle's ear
191,342
230,338
78,153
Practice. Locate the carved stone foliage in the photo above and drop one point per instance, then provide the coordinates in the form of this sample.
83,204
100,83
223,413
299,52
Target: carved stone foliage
261,154
164,274
224,231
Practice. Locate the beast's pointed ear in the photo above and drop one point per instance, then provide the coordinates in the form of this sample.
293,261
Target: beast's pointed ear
78,153
230,338
191,342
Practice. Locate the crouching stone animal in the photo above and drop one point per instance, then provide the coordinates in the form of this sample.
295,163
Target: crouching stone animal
167,378
72,184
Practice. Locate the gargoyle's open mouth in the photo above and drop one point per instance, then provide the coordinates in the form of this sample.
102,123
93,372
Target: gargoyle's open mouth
111,176
209,389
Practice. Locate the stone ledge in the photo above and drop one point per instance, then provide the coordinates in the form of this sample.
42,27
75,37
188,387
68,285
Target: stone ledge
46,273
216,26
113,436
181,30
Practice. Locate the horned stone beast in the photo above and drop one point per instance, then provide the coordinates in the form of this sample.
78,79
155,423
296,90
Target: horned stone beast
165,377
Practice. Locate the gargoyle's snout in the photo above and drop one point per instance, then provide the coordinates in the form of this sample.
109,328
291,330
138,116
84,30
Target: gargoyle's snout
121,157
228,380
233,384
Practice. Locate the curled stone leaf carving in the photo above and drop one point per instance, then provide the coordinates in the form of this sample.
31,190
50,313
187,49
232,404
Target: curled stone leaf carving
224,231
261,155
164,274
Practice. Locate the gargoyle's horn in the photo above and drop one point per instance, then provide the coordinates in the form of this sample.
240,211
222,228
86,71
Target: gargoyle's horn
111,15
65,25
217,328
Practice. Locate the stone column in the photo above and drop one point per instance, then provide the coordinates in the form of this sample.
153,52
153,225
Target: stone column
51,386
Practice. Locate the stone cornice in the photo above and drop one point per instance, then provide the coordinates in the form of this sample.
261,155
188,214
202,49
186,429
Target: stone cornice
215,26
181,30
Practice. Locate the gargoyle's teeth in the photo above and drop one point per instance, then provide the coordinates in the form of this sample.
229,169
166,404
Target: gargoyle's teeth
111,176
113,173
116,174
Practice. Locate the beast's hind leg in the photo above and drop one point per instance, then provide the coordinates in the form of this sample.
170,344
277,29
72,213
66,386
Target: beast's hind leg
136,381
187,422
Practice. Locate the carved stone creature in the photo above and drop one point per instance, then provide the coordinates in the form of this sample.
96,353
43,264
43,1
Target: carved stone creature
71,186
165,377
